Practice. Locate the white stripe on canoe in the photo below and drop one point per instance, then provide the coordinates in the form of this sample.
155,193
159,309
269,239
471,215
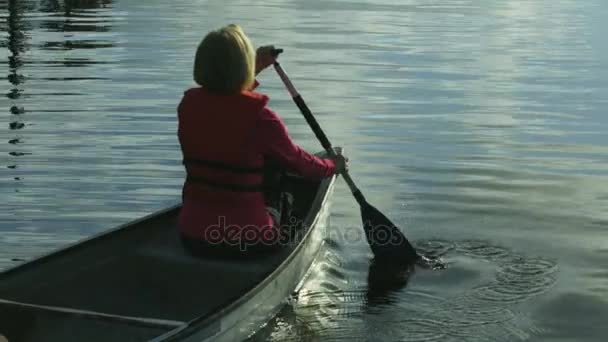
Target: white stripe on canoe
153,322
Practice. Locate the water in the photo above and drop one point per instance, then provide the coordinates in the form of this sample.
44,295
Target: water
478,127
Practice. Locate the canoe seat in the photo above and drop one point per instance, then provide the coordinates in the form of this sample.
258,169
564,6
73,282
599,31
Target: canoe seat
167,247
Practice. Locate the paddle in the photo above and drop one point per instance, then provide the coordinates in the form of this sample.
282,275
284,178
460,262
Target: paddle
384,238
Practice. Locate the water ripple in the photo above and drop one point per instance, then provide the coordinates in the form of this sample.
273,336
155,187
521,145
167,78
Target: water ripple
483,308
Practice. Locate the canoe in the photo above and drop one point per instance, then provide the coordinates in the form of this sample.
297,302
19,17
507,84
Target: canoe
137,283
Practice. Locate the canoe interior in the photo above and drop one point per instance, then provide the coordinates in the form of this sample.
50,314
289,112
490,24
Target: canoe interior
139,270
30,325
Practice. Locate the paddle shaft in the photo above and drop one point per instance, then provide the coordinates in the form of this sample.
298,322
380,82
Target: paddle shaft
386,241
312,122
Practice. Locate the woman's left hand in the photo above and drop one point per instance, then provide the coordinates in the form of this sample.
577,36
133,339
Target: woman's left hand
264,57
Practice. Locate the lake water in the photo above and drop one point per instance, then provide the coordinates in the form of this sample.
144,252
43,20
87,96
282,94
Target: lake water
479,127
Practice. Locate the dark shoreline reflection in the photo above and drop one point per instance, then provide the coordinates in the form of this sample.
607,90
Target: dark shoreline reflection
17,44
74,16
68,6
77,18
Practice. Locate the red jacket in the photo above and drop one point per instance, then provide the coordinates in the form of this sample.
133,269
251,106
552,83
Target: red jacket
224,139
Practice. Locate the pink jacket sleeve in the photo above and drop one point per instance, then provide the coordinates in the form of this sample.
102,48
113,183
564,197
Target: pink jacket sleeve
277,144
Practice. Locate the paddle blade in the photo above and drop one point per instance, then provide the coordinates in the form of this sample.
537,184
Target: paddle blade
385,239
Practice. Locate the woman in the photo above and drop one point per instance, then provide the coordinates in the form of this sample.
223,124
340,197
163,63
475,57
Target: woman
226,132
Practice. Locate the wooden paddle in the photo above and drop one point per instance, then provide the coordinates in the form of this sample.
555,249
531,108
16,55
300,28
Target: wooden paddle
384,238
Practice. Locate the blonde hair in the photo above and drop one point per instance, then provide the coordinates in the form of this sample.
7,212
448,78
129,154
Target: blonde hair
225,61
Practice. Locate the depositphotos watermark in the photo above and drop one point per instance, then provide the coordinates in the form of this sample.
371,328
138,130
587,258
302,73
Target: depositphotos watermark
290,234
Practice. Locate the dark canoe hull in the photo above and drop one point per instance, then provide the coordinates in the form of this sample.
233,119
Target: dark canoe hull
135,283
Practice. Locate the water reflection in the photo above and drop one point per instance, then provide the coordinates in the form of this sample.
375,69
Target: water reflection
70,17
385,280
51,52
17,44
68,6
75,16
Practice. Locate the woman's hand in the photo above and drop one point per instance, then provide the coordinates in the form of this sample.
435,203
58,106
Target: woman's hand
264,57
341,163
